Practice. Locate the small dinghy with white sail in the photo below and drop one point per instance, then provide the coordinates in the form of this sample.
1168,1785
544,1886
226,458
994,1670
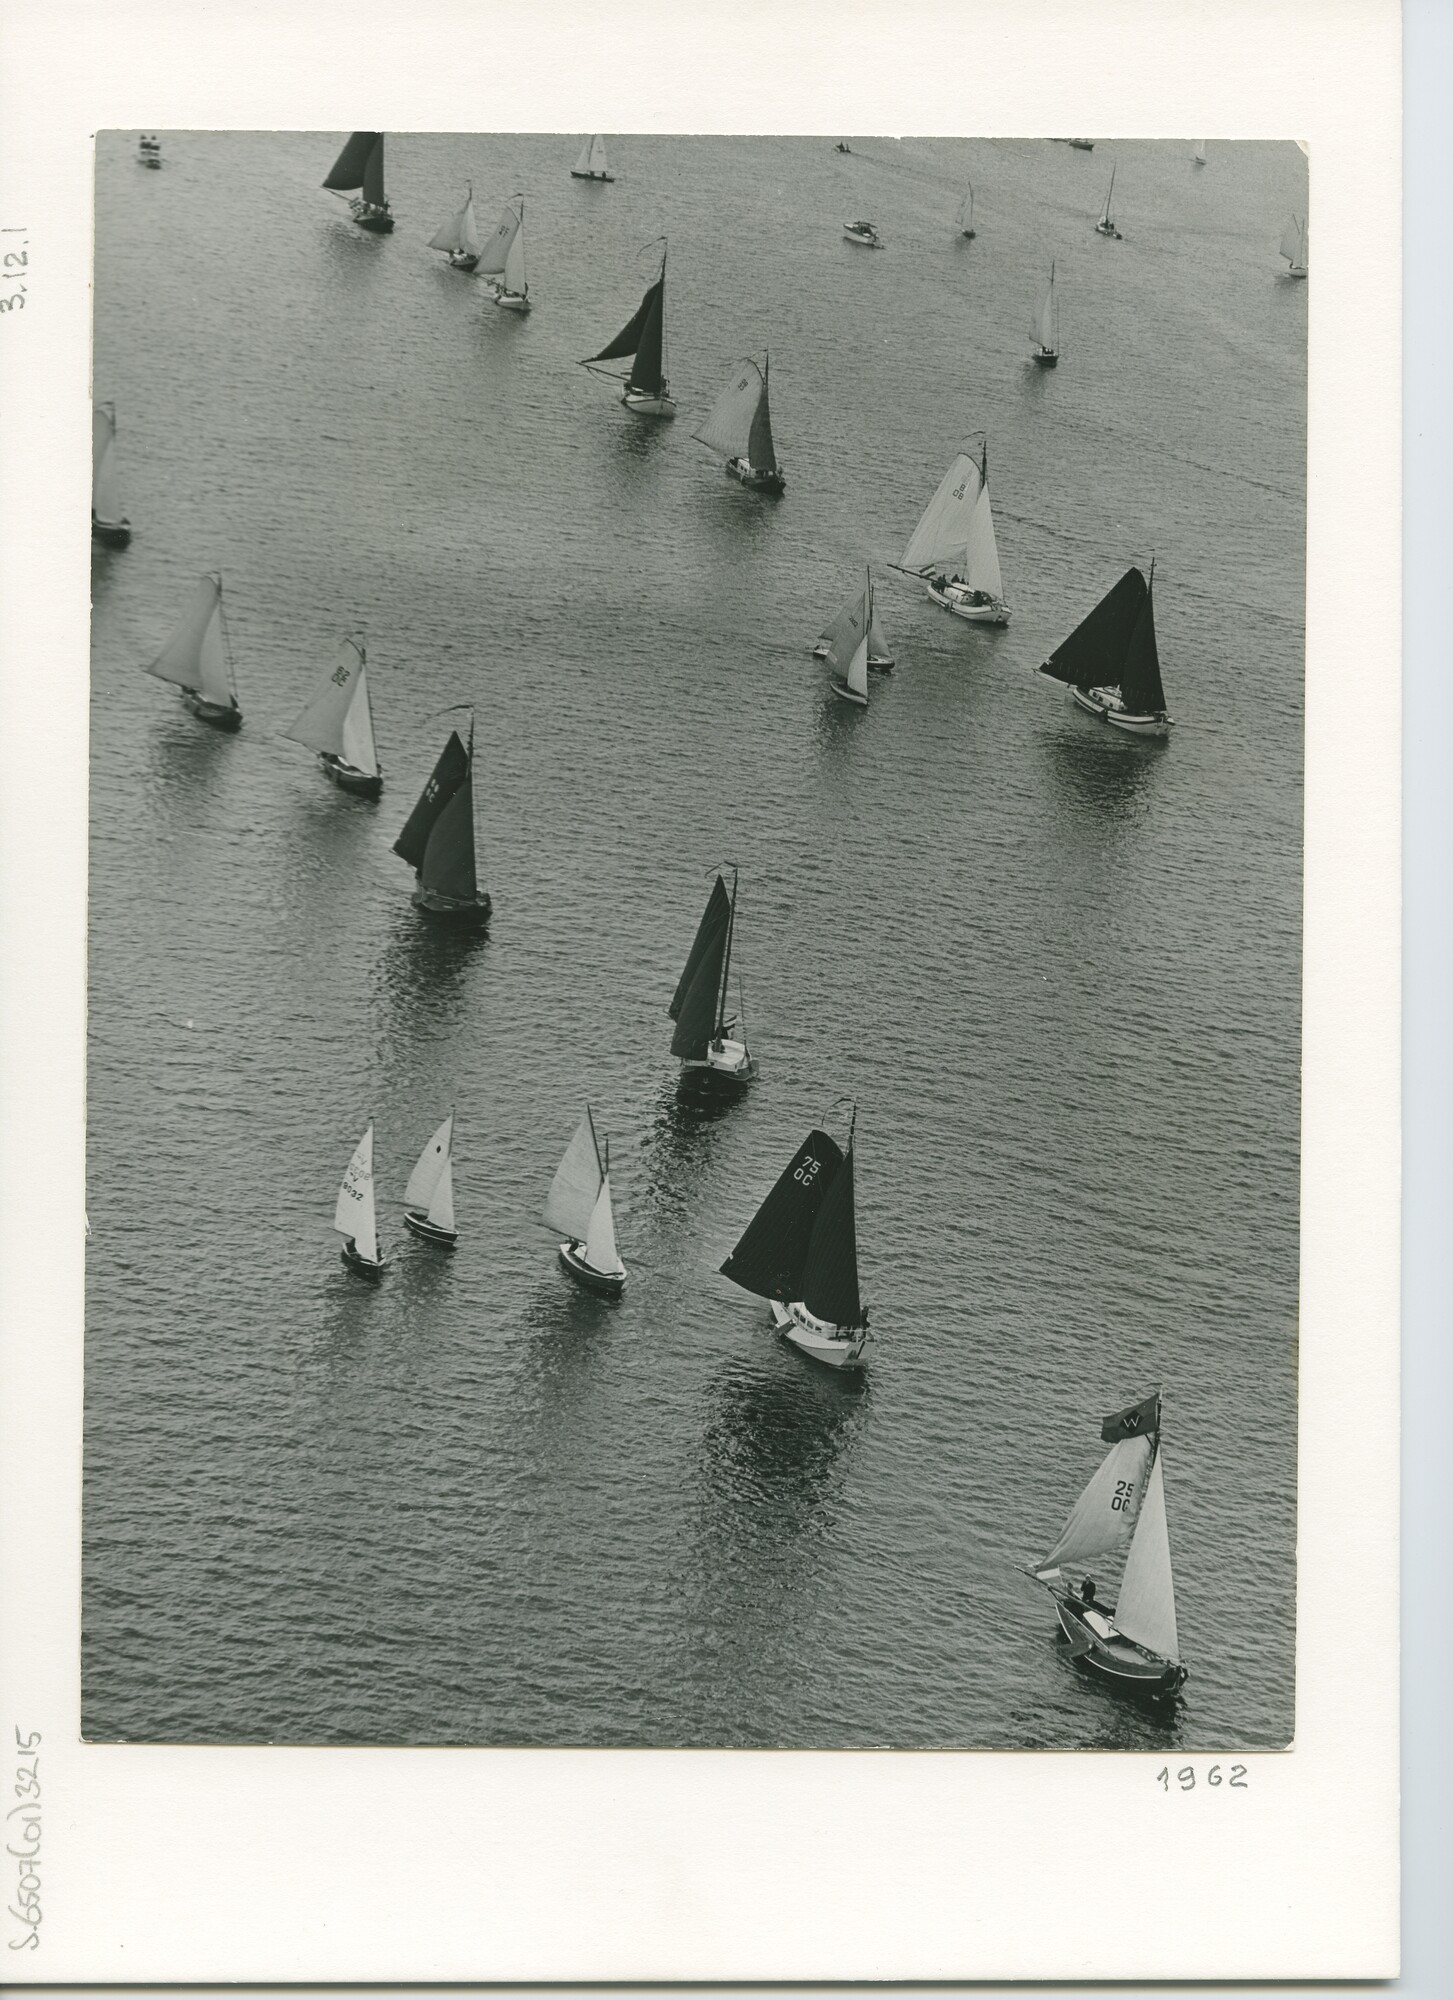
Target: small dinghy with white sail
1110,662
849,650
838,639
1106,225
705,1040
1132,1644
1198,153
459,236
800,1253
579,1203
739,429
964,220
1294,247
198,659
863,233
592,164
502,260
437,840
429,1196
355,1216
358,171
1045,349
643,338
108,523
338,724
953,547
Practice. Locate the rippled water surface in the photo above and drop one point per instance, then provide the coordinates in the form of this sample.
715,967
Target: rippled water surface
1058,970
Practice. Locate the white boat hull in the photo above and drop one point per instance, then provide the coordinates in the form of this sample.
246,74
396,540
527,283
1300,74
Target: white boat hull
991,612
514,302
760,480
649,406
869,238
429,1232
835,1346
727,1058
845,693
1107,705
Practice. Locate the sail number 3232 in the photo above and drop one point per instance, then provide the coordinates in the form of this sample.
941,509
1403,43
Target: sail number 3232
1185,1778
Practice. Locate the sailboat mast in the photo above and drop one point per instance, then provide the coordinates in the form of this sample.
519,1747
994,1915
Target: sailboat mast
726,963
226,638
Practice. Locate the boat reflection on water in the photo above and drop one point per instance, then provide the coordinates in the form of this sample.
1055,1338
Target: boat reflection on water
674,1152
773,1445
1102,771
420,978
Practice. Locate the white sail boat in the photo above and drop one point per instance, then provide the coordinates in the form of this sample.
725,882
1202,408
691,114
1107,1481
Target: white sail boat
429,1196
579,1203
1294,246
830,645
355,1217
1046,328
850,651
1133,1644
108,523
459,236
740,429
965,216
198,659
953,547
1106,225
592,166
503,259
1198,153
338,724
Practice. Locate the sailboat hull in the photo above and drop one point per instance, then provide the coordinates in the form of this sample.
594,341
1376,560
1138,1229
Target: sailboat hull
845,693
858,233
513,302
1106,704
364,1267
1045,357
758,479
877,664
462,260
1126,1666
429,1232
990,612
219,714
348,778
731,1061
450,909
609,1284
1296,271
834,1346
1109,229
580,174
115,534
377,221
649,406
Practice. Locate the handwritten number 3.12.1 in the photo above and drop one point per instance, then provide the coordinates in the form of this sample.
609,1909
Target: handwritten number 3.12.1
14,261
1185,1777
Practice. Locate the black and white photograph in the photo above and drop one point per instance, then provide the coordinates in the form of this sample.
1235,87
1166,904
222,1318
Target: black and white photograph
695,940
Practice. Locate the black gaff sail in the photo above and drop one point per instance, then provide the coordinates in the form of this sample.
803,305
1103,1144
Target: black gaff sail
1140,685
361,158
770,1257
634,337
1094,653
830,1274
447,776
695,1006
761,452
448,864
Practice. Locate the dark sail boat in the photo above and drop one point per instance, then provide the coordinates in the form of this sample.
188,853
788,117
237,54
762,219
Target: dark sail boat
643,337
1133,1644
740,429
437,840
358,170
704,1038
800,1253
1110,663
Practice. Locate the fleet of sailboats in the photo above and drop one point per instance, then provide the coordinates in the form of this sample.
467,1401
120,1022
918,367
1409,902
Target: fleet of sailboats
839,638
429,1196
459,236
358,171
1134,1643
800,1253
592,165
1294,246
108,523
198,659
1046,328
579,1204
502,259
704,1039
355,1215
1106,225
437,840
1110,662
643,340
739,428
338,724
954,549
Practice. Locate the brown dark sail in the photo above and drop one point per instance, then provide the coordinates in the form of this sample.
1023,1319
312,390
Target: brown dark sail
830,1274
769,1259
448,865
695,1006
1140,684
348,172
1094,653
447,776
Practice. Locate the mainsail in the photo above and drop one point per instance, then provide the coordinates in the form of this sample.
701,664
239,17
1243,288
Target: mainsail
1094,653
460,232
513,279
448,864
444,781
431,1185
740,424
576,1187
105,486
940,542
1103,1518
1294,243
359,166
981,563
696,1006
1140,684
600,1235
1198,152
196,656
1146,1608
830,1272
644,337
495,254
592,162
338,719
770,1257
353,1215
842,637
855,677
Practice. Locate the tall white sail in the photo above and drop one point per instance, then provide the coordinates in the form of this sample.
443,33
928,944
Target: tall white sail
845,634
878,647
592,159
354,1214
981,566
195,656
441,1202
1046,326
1198,152
1146,1610
450,235
338,720
1294,243
359,748
514,266
105,485
941,539
430,1166
600,1236
468,227
1103,1517
582,165
857,673
496,252
577,1183
965,217
728,429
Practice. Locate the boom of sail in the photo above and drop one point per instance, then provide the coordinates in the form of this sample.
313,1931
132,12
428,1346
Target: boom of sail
592,165
338,721
739,428
108,522
197,658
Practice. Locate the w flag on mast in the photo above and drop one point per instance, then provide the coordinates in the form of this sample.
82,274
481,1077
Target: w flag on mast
1140,1420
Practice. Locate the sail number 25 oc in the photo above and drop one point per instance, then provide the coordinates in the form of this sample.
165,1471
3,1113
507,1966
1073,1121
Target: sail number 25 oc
1185,1778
